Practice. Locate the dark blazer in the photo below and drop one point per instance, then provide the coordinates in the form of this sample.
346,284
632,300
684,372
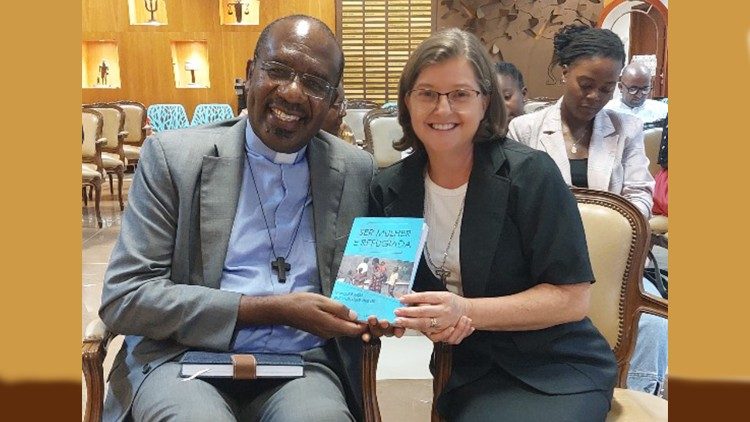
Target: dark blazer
162,284
520,227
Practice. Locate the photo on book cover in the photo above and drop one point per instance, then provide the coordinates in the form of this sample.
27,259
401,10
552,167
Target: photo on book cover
389,277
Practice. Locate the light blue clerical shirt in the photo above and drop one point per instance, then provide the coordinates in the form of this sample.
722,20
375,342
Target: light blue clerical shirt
282,182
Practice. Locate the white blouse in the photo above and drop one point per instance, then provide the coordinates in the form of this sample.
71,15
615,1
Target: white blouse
443,210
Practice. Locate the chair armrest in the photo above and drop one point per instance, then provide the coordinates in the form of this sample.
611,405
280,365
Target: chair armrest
101,141
147,127
370,355
653,305
95,341
95,331
123,134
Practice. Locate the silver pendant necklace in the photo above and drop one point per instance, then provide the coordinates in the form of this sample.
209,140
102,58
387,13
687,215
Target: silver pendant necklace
574,147
442,272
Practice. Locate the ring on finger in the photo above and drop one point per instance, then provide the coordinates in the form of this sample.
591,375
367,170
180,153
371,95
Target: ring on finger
433,322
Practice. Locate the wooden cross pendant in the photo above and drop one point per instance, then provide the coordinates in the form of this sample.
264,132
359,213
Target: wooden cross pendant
443,274
281,267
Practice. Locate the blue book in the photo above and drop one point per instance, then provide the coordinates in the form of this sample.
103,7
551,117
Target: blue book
379,264
200,364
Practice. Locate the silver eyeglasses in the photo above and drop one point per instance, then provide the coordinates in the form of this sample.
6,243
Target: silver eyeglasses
312,85
457,98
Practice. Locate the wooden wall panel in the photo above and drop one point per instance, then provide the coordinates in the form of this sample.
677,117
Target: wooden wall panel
145,57
520,31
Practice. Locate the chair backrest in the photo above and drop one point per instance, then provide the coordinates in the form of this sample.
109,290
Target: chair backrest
92,122
356,109
135,121
167,116
651,143
114,122
381,129
617,236
533,104
208,113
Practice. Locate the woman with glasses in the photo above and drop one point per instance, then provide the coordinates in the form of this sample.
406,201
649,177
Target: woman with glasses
602,149
505,275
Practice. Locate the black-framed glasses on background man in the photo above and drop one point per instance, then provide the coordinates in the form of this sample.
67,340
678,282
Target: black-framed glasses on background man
312,85
457,98
632,90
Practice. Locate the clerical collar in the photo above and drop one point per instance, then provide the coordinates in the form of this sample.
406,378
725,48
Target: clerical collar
255,145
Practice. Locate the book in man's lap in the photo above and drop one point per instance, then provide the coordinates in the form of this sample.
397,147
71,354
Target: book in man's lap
379,264
202,364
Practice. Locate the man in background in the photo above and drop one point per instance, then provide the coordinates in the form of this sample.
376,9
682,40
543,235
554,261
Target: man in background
334,121
635,88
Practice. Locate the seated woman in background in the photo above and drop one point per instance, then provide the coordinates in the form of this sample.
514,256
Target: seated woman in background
600,149
506,274
512,87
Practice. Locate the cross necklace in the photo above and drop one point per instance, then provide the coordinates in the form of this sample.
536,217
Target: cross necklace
442,272
279,264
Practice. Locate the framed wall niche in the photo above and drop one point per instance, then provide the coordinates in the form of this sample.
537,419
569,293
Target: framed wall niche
100,64
147,12
190,63
239,12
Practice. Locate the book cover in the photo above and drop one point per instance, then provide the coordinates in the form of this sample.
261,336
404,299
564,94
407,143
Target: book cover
379,264
203,364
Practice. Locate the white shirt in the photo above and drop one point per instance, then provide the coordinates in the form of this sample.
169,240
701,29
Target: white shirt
443,208
650,111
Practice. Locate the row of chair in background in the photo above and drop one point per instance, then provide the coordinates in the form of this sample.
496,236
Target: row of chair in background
173,116
112,137
375,127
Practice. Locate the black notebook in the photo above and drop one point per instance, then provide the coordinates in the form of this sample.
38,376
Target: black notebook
241,365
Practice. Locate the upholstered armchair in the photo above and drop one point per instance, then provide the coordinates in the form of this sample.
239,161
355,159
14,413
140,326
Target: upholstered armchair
92,168
93,179
136,127
209,113
356,109
167,116
381,129
533,104
652,143
617,235
113,153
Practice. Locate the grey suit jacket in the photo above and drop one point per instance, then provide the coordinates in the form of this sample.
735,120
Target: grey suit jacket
162,285
617,159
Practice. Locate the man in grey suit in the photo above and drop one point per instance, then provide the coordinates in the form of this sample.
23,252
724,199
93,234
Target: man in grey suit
230,242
